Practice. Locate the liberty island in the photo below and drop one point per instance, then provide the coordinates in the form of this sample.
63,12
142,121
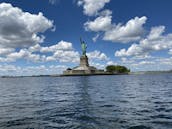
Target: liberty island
84,68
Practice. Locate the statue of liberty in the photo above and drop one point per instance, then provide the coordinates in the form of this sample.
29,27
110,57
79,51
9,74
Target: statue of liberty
84,47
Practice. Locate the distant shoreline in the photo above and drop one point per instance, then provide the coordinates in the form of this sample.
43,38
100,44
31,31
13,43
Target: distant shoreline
61,75
150,72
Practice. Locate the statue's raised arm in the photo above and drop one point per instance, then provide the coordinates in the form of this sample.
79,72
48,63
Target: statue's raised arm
84,47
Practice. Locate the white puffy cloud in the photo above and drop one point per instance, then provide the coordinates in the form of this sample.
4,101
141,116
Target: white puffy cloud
156,32
97,65
105,12
20,38
95,37
155,41
101,23
24,54
165,61
62,52
35,48
73,56
43,70
134,50
8,68
131,31
31,70
97,55
146,62
62,45
91,7
4,51
158,63
111,63
4,59
21,29
66,56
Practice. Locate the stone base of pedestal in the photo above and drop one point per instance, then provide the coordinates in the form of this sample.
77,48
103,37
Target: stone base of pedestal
84,61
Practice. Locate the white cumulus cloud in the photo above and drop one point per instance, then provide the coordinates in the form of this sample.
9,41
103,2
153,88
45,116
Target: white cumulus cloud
21,29
62,45
23,54
62,52
91,7
102,23
111,63
155,41
4,51
97,55
131,31
31,70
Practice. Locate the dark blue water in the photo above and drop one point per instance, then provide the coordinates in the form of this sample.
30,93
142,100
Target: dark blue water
92,102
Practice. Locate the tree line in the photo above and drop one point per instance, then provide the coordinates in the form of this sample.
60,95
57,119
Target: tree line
117,69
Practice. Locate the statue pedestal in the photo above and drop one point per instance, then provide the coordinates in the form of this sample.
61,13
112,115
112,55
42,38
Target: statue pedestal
84,61
83,68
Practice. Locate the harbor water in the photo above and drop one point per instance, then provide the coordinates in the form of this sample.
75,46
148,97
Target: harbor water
87,102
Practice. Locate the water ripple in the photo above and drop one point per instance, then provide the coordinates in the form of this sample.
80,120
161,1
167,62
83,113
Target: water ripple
92,102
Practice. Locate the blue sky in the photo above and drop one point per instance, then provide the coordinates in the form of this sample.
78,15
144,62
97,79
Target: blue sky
42,36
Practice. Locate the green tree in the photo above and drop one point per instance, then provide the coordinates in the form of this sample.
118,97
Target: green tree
117,69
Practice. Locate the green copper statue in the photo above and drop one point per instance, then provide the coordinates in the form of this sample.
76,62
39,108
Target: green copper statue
84,47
